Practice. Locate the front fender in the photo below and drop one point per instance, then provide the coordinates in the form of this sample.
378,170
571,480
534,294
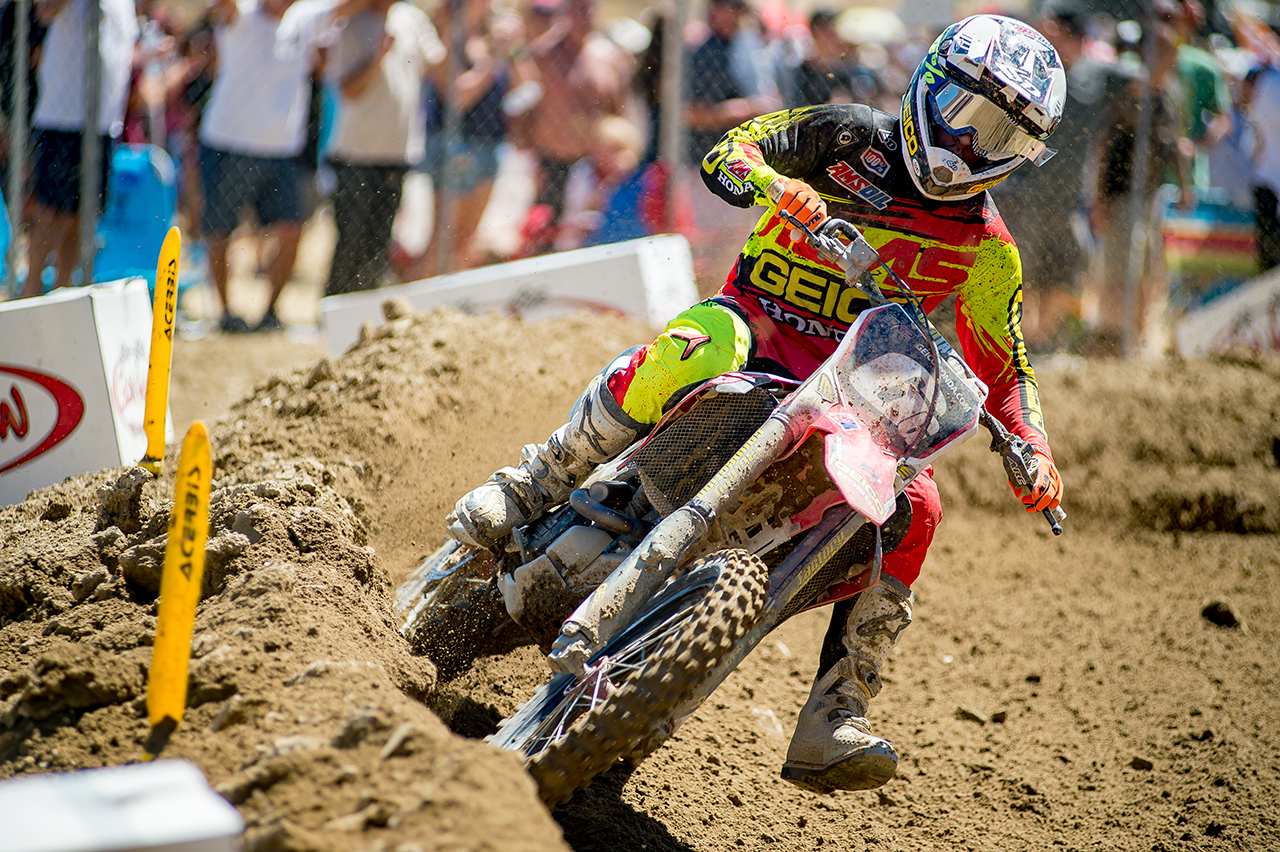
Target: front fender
859,467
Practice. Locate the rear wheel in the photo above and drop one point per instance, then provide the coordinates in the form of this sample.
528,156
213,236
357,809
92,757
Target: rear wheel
645,683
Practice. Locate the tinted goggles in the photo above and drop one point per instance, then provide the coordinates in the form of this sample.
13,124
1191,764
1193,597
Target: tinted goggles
995,134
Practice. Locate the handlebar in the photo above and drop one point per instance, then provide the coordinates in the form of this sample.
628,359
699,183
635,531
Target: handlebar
1020,463
841,243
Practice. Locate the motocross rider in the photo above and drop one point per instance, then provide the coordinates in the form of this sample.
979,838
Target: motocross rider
983,101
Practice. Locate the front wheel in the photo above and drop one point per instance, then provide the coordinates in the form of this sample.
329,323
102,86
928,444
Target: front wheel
644,683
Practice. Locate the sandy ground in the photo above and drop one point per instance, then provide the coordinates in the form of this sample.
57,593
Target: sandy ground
1112,689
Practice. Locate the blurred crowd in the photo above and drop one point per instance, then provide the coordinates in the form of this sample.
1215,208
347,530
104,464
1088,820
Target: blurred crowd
273,111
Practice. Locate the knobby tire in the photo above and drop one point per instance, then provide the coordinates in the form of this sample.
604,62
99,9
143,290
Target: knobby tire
640,711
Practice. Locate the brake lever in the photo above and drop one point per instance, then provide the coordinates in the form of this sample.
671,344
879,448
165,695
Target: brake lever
1020,464
854,255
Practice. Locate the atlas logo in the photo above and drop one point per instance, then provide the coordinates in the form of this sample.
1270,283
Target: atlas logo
875,161
843,174
36,408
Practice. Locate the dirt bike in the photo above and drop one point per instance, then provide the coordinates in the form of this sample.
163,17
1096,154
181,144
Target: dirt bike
754,498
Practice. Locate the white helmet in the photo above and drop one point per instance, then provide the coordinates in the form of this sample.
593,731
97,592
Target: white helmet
991,76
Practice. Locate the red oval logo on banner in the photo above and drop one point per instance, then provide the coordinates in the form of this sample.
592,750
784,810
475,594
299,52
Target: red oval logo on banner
16,417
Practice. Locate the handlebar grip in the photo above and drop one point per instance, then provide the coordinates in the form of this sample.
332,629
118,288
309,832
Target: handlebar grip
1055,516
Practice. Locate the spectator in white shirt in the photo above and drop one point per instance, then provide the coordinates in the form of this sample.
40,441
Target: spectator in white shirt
379,65
58,123
254,127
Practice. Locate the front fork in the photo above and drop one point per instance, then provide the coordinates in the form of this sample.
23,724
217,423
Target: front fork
620,597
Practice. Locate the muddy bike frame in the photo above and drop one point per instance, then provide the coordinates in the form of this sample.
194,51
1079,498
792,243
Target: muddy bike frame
621,597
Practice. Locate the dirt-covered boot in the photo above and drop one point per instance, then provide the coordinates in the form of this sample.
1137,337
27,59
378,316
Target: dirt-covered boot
598,429
833,747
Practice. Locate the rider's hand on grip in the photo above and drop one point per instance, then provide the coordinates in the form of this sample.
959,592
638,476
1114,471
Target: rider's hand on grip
802,201
1046,486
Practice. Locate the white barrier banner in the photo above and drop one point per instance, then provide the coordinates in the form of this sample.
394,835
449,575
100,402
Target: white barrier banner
1247,317
73,378
650,279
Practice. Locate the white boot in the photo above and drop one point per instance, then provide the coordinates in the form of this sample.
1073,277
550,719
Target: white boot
833,747
598,429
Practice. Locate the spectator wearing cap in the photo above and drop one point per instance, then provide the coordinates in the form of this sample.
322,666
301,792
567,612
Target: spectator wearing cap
1231,156
717,99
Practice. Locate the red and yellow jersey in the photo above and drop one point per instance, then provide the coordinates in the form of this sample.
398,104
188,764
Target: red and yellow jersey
798,305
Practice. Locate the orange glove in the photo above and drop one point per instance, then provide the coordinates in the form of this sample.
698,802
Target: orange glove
802,201
1046,491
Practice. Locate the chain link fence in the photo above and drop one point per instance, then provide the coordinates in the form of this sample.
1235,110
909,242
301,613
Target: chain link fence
410,140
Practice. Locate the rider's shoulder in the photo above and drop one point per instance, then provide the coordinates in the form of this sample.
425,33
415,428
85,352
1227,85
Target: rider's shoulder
847,124
983,208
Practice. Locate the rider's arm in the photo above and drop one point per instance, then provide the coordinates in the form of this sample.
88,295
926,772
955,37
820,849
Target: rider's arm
988,311
787,144
306,21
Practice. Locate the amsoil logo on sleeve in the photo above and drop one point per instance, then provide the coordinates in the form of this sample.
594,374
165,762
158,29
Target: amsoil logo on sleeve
37,411
843,174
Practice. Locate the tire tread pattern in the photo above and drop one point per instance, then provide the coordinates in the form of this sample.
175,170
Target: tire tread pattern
612,729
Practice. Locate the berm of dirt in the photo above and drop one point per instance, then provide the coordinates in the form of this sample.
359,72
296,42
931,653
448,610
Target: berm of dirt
1110,689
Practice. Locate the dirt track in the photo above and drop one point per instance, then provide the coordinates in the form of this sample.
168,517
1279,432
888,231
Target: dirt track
1053,693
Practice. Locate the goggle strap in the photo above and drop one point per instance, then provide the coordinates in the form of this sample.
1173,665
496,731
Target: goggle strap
1044,156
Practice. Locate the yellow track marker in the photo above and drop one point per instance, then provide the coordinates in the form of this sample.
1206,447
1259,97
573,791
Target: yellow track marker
163,310
179,589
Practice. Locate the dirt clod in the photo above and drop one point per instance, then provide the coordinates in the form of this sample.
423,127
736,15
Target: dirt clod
1220,613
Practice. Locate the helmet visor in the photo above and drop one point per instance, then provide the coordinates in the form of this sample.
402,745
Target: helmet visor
995,134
